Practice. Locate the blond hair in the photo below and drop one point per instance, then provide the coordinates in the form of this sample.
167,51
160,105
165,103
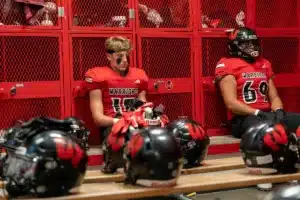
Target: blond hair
117,43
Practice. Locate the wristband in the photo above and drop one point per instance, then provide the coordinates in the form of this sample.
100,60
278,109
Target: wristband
115,120
256,112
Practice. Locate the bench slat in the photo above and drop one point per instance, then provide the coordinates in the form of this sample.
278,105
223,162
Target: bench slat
208,166
188,183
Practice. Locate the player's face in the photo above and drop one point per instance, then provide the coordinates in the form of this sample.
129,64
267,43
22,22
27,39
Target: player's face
119,60
251,48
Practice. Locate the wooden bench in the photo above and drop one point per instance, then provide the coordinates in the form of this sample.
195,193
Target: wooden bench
188,183
214,165
222,164
96,176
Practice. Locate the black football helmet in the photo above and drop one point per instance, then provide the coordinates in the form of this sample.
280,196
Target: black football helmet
153,158
260,158
113,152
244,43
193,140
113,146
71,126
44,164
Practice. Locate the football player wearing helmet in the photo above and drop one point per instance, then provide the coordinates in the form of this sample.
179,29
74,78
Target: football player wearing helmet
245,80
43,164
193,140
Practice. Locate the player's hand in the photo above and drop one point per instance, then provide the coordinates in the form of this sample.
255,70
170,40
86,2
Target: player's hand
127,119
279,115
276,138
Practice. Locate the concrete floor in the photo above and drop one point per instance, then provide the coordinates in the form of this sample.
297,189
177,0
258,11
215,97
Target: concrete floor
239,194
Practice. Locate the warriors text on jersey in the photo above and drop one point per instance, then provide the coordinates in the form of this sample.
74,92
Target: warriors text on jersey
251,78
117,91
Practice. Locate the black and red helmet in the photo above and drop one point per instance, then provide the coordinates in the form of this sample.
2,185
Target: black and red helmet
269,148
244,43
114,143
47,163
153,158
193,140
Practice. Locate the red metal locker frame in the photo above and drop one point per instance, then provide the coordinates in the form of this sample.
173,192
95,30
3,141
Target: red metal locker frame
67,78
250,13
250,5
206,83
88,29
35,89
180,83
159,30
4,28
284,79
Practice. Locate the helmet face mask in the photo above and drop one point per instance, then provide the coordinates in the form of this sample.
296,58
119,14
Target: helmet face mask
20,171
250,48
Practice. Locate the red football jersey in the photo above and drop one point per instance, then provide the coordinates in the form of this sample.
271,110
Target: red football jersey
117,91
252,80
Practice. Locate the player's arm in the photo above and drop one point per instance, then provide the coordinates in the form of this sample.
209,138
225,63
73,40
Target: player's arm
274,98
144,87
142,96
228,89
96,106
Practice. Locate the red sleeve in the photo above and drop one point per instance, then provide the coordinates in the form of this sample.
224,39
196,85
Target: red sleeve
145,82
223,68
270,72
93,80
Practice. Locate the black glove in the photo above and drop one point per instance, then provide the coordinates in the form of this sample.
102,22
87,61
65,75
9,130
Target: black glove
279,115
159,110
262,115
135,104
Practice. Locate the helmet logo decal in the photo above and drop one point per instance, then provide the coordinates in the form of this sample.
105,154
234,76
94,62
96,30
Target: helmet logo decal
233,34
135,145
276,137
66,151
196,132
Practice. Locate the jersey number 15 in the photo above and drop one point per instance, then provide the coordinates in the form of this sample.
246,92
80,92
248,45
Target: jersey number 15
121,104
